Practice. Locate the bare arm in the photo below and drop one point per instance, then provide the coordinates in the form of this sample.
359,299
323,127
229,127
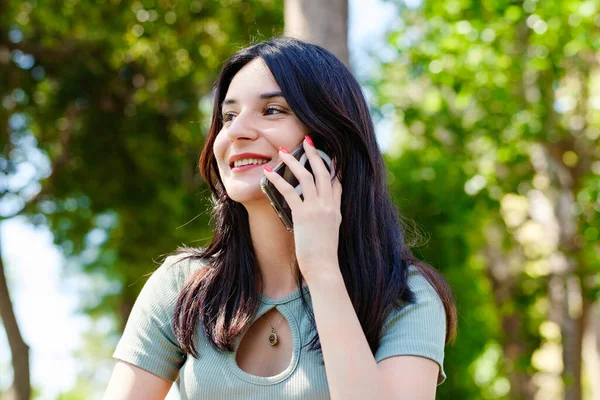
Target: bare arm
409,377
129,382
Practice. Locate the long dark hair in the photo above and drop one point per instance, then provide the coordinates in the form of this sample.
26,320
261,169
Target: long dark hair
372,253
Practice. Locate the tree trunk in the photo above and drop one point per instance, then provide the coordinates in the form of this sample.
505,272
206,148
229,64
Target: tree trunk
324,23
514,348
21,388
591,347
572,340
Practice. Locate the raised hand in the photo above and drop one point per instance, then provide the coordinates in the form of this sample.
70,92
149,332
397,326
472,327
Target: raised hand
317,218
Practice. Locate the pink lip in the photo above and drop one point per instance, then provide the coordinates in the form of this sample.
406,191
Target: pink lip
246,167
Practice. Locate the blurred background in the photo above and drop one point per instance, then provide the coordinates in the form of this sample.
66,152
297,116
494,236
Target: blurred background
488,113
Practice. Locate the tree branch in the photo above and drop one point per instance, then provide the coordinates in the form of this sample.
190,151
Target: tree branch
21,387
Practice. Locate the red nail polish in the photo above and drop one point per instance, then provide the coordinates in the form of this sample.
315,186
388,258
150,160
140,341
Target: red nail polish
309,140
284,150
267,168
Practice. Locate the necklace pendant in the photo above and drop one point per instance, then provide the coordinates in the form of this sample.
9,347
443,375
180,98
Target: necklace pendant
273,339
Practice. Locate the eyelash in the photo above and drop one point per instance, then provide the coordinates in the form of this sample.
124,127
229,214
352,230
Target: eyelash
225,116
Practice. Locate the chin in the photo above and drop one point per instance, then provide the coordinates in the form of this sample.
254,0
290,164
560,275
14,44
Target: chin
246,194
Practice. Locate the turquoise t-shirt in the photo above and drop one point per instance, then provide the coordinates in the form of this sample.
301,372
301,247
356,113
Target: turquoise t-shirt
148,341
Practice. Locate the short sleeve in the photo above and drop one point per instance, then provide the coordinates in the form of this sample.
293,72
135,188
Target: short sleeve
416,329
148,340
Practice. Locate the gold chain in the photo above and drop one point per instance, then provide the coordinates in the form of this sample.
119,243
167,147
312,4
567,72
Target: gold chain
278,322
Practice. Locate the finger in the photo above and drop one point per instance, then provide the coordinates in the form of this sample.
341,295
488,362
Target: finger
287,191
322,176
337,192
305,178
333,171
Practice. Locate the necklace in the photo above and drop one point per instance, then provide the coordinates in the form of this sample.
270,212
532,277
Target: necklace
273,338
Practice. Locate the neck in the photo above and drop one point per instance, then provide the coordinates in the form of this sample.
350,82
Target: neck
274,249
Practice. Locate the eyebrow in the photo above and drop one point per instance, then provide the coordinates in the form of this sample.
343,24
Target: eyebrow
263,96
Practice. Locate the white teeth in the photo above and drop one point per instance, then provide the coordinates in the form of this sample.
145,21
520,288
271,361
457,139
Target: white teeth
247,161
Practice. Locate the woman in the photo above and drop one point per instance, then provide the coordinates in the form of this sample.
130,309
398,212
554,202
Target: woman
339,308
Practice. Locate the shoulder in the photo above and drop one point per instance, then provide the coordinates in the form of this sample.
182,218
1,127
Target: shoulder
417,328
162,288
427,304
425,293
148,340
177,268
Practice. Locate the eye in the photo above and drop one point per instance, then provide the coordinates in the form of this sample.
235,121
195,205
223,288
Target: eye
274,110
227,117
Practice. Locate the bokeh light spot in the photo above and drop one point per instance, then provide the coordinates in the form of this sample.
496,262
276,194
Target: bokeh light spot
570,158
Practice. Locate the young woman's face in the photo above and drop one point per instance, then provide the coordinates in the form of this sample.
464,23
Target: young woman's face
256,121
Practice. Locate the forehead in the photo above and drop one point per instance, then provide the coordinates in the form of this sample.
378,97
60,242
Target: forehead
255,77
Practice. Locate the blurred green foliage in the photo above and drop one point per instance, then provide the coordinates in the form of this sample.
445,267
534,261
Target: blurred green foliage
496,155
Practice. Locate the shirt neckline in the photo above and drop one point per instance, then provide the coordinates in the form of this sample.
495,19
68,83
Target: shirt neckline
296,341
286,299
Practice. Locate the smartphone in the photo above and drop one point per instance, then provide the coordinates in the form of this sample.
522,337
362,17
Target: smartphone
275,198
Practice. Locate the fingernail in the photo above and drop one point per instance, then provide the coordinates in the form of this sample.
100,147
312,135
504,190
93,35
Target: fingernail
284,150
267,168
309,140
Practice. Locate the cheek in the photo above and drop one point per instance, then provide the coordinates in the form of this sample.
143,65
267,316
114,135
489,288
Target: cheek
289,135
296,134
219,147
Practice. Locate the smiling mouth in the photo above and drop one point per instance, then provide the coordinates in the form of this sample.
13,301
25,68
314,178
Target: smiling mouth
253,163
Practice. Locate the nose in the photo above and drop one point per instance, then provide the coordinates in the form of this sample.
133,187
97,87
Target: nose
242,128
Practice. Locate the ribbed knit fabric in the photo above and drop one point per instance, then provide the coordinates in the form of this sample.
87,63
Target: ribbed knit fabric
149,343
